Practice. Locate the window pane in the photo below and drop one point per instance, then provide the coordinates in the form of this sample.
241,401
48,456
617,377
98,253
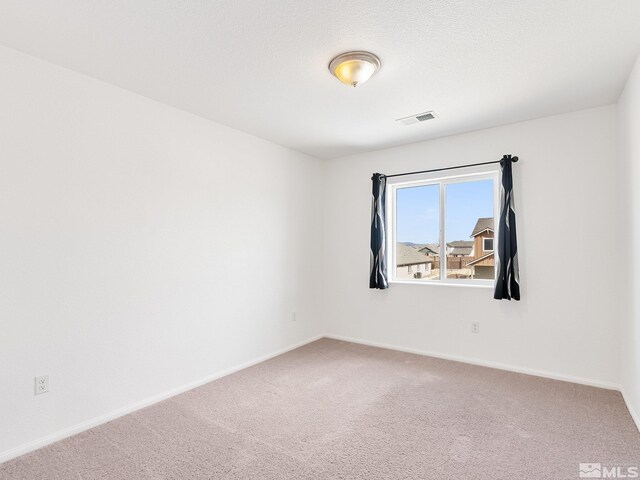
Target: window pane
417,233
469,230
488,244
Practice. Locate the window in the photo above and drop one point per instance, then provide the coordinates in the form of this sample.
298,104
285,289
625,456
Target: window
442,228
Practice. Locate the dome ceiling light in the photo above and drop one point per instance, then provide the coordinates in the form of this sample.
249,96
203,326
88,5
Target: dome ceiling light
354,68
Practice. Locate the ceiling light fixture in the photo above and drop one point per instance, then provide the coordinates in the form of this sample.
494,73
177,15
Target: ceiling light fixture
354,68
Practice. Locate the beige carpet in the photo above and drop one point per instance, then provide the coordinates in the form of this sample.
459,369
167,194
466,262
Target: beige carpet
336,410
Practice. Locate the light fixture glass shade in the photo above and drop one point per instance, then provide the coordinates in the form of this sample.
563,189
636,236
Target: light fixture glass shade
354,68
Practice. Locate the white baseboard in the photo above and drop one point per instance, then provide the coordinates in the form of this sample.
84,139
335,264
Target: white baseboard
483,363
634,414
107,417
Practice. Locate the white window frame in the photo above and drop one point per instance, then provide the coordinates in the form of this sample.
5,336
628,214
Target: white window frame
484,239
442,179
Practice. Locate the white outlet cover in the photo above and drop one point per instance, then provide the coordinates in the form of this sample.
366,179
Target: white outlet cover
42,384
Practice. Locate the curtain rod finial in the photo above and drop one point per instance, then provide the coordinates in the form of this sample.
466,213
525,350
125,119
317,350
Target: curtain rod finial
506,157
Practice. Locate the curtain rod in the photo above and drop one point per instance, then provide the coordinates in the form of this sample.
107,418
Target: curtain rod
513,159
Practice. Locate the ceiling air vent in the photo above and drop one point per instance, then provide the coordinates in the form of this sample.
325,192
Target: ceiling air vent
417,118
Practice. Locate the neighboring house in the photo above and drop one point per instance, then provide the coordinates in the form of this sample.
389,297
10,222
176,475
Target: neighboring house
431,249
411,262
460,248
483,243
465,258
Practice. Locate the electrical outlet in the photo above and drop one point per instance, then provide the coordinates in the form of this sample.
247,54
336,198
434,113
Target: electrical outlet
42,384
294,317
475,326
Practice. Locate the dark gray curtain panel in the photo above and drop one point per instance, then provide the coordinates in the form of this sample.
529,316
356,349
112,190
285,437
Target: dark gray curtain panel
507,275
378,264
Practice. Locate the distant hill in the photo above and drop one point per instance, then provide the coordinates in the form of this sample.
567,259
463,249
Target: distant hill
414,245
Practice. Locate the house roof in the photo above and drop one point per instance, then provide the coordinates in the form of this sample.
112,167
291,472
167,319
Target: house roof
461,247
406,255
464,251
460,243
478,260
430,248
481,225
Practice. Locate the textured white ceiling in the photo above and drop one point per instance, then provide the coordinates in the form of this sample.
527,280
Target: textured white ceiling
261,66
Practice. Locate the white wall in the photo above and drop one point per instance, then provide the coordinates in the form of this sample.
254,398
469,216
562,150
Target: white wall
629,136
566,189
141,248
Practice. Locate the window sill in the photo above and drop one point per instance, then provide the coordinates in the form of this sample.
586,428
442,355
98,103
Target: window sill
441,283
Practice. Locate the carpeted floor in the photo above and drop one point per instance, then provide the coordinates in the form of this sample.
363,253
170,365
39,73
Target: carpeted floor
336,410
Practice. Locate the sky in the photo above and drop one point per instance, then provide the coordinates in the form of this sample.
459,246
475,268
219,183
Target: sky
418,211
